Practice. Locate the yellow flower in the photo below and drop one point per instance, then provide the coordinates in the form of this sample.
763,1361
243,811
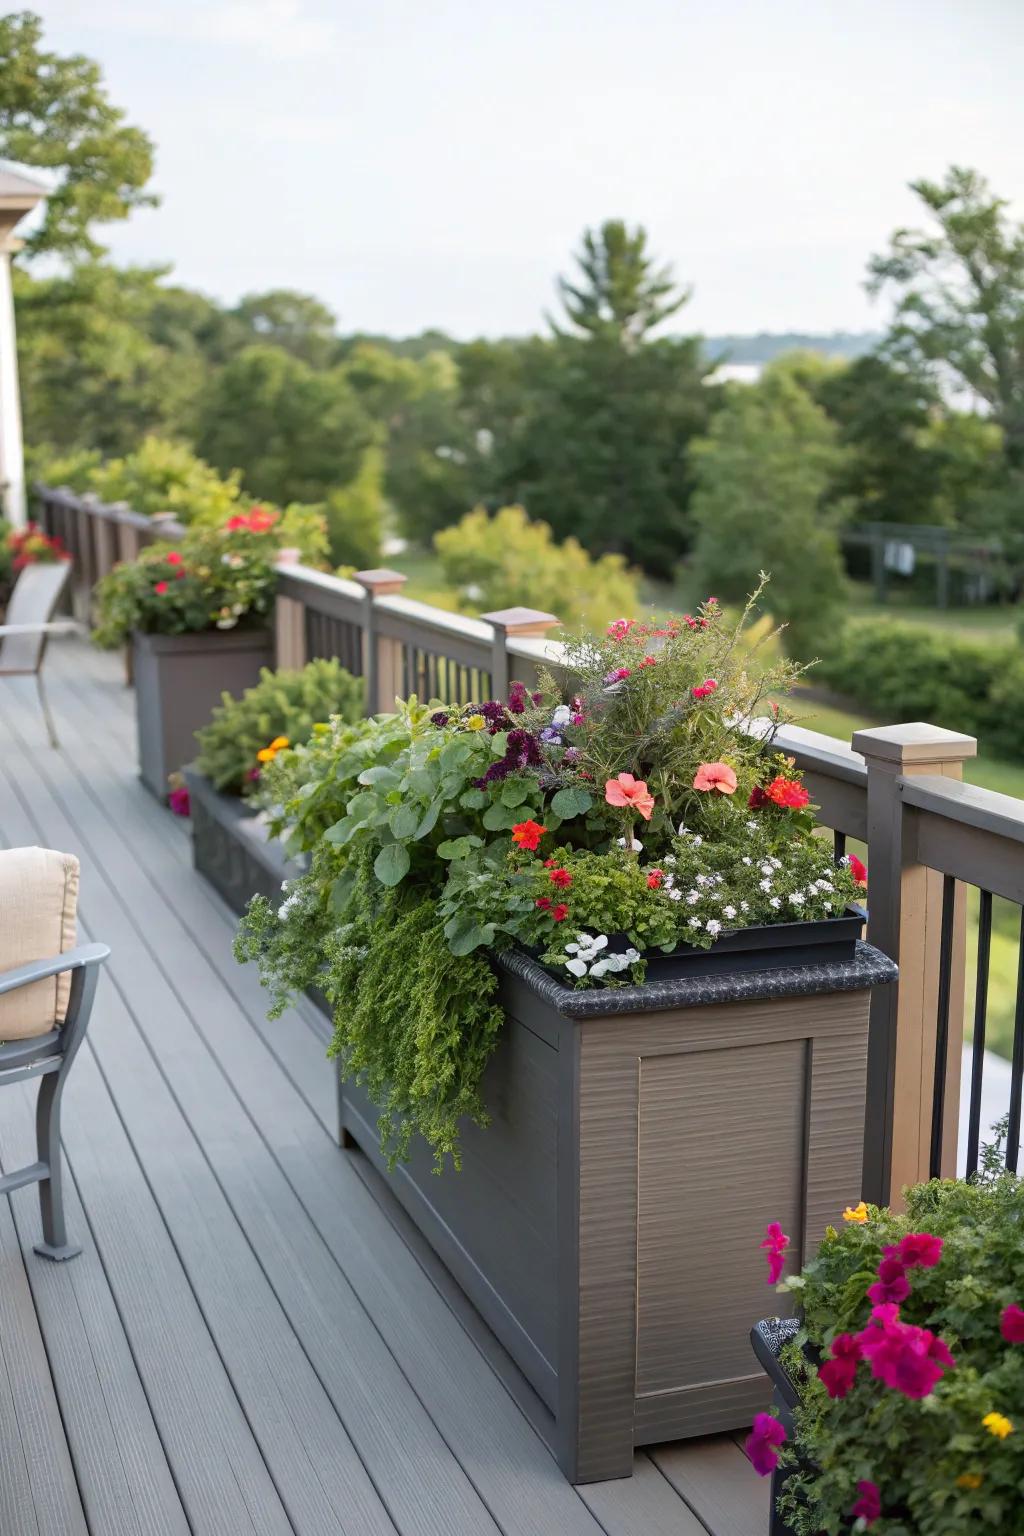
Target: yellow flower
475,723
856,1212
971,1480
998,1424
279,743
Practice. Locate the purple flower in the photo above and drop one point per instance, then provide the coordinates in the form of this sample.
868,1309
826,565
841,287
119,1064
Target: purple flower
552,737
517,698
892,1283
439,718
762,1444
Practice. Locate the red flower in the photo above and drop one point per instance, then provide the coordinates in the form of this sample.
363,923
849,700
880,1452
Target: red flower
544,902
762,1444
160,588
527,834
1011,1323
892,1283
550,863
703,689
857,869
910,1360
560,877
758,798
838,1374
179,801
620,628
917,1248
174,557
649,661
787,793
560,913
654,879
775,1242
869,1505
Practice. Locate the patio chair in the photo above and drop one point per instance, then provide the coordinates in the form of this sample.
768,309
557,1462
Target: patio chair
29,625
47,985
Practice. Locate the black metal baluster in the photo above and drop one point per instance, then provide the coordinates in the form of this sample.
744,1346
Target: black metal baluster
980,1016
942,1023
839,845
1017,1069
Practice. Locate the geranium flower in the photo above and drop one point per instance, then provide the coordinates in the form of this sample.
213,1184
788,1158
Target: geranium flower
838,1374
527,834
916,1249
649,661
544,902
705,688
160,587
560,913
715,776
910,1360
1011,1323
775,1242
998,1424
173,557
762,1444
624,790
560,877
787,793
857,869
869,1503
892,1283
858,1212
179,801
620,628
654,879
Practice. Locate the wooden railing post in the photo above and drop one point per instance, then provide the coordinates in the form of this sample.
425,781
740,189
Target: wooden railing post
289,628
382,655
905,921
507,622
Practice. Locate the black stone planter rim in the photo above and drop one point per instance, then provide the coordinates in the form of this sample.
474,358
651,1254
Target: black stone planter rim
869,968
240,637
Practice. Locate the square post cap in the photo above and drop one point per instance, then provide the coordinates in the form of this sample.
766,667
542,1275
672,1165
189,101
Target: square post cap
914,743
381,582
521,621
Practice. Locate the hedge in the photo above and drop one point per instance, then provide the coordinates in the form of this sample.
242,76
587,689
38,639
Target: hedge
906,672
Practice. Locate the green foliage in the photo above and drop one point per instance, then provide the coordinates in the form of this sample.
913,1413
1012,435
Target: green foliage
908,672
620,295
295,434
506,560
938,1469
282,704
72,470
354,515
763,475
55,112
163,476
296,322
216,578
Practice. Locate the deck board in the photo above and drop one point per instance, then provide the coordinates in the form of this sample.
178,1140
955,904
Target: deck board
253,1340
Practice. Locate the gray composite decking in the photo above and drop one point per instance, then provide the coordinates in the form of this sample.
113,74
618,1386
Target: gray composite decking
253,1340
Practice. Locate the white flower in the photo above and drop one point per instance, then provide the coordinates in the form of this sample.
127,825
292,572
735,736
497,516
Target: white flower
796,899
670,859
714,926
751,826
775,863
746,860
766,886
675,894
693,897
728,911
561,716
695,922
634,845
703,880
767,867
775,902
744,906
697,840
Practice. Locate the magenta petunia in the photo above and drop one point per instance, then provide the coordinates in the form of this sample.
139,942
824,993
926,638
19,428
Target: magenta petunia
775,1242
838,1374
892,1283
908,1359
917,1249
1011,1323
762,1444
869,1503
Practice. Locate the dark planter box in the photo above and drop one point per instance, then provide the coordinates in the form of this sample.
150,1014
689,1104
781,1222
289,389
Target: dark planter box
178,681
231,848
606,1223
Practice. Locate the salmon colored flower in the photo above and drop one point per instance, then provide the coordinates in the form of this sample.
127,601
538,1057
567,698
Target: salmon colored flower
787,793
527,834
626,791
715,776
762,1444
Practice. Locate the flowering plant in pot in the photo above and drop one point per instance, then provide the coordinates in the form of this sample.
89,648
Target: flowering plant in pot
632,811
908,1369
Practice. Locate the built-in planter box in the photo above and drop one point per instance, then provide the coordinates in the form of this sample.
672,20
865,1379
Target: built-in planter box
230,845
178,681
606,1223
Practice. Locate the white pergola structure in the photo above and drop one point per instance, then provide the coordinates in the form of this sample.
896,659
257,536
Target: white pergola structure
18,196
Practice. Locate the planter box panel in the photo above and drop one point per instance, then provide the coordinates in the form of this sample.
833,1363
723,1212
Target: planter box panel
179,680
230,847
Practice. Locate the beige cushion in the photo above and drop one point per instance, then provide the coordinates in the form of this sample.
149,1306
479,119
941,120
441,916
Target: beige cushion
38,902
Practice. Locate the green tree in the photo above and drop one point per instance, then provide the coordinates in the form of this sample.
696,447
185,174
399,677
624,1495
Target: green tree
295,433
959,288
295,321
55,113
764,471
620,296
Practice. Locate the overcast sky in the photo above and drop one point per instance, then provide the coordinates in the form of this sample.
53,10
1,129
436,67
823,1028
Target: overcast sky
432,162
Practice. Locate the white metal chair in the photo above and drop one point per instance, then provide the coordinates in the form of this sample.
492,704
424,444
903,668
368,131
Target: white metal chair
29,625
47,985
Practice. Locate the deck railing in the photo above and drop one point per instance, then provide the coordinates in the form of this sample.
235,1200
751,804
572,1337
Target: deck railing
896,790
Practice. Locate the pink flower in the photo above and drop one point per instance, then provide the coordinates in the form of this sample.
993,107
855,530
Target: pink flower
869,1505
560,913
620,628
717,776
179,801
560,877
702,690
917,1248
624,790
1011,1323
160,587
775,1242
649,661
173,557
762,1444
892,1283
838,1374
618,675
908,1359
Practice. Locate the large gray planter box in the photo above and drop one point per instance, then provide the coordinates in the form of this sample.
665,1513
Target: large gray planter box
606,1223
178,681
231,848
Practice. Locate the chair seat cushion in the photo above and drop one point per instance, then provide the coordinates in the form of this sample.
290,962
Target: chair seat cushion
38,906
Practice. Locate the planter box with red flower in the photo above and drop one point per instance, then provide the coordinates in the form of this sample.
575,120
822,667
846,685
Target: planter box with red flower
558,935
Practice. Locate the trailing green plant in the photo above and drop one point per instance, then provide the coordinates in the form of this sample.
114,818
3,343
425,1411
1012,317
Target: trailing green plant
245,734
910,1367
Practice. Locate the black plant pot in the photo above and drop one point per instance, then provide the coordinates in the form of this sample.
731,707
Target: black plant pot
769,1337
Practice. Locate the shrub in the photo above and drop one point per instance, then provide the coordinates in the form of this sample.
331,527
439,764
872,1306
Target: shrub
908,672
355,516
163,476
278,712
915,1417
505,560
74,470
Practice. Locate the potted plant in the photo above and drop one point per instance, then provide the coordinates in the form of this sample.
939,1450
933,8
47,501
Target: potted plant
900,1387
230,843
20,547
558,935
196,615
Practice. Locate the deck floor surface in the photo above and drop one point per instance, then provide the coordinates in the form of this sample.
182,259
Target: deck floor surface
252,1342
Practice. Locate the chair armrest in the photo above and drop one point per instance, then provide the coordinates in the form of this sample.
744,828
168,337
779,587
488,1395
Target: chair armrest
53,627
39,970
